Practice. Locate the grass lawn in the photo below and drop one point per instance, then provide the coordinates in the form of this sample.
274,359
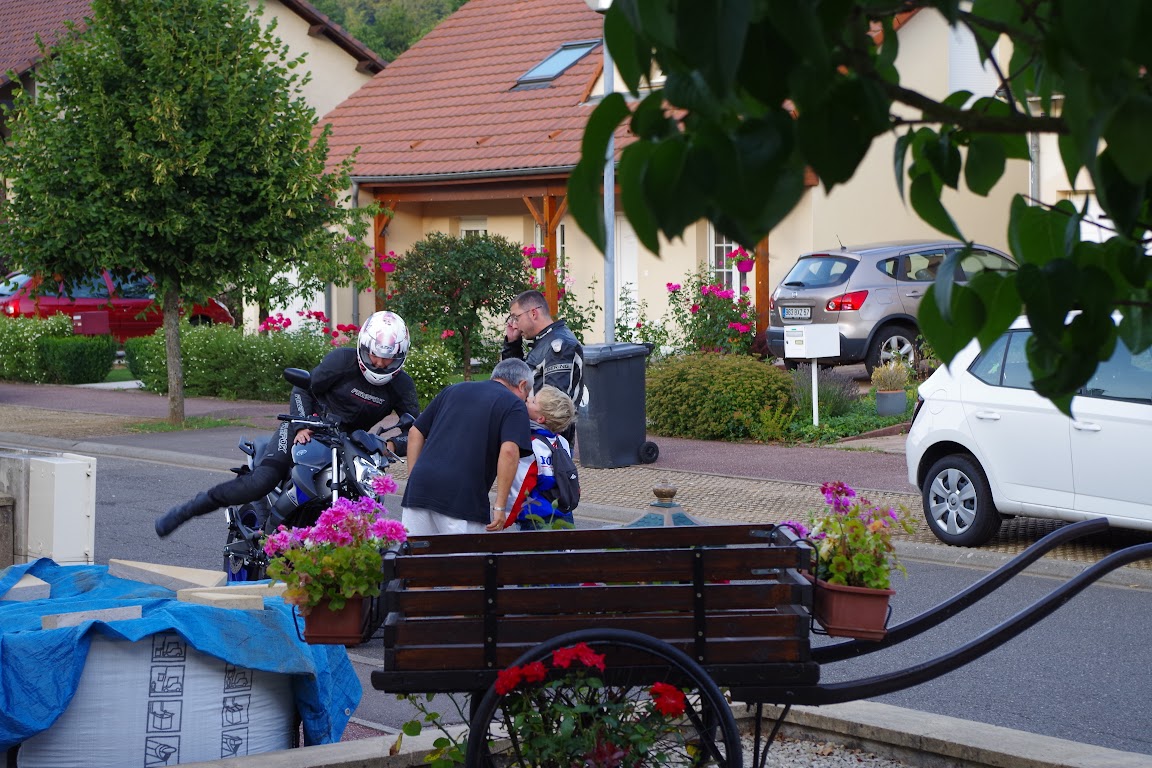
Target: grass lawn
119,373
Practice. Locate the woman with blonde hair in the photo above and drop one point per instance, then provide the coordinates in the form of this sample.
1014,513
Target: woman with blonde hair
532,498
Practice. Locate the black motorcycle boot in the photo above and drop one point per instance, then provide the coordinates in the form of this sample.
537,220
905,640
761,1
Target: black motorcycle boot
201,504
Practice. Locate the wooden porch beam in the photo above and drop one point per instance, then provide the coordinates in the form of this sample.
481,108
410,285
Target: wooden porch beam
380,246
762,294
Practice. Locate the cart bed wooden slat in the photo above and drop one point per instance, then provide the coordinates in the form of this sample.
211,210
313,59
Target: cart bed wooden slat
460,608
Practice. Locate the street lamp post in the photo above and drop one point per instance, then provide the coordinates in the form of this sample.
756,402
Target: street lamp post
600,6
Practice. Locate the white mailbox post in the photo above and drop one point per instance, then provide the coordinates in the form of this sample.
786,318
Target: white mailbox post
810,342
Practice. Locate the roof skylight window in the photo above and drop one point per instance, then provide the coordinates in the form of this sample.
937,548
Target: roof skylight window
551,68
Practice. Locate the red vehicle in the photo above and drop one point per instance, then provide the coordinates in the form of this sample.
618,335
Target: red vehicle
101,304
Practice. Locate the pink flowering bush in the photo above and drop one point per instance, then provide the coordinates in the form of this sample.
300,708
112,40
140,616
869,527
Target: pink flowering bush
854,538
710,317
275,323
340,556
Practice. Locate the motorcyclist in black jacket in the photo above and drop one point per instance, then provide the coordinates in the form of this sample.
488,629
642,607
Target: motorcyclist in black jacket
356,387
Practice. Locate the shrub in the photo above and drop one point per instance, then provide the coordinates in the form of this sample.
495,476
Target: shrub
709,317
890,377
76,359
837,392
19,356
714,397
633,324
220,361
860,418
431,365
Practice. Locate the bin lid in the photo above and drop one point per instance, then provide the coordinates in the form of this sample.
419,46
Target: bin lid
594,354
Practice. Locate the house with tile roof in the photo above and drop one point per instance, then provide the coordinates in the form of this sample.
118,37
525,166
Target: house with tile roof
339,64
465,133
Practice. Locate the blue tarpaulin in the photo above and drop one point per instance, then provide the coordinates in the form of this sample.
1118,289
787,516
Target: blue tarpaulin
40,669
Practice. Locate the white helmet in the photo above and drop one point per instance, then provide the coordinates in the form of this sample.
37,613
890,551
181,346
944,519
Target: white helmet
384,335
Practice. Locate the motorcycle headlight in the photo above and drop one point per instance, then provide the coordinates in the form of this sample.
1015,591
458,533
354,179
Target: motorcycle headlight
366,472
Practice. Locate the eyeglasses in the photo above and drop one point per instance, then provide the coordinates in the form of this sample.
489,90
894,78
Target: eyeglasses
515,317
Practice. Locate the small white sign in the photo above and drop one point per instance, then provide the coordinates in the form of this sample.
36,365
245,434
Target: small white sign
812,341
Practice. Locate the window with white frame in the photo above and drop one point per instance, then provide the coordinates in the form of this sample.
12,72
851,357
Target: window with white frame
540,241
476,226
723,269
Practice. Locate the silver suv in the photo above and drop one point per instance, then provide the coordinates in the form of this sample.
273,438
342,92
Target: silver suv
872,292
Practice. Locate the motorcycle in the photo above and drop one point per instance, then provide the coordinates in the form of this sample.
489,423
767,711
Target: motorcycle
332,465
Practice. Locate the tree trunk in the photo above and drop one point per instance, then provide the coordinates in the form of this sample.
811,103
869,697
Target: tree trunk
175,363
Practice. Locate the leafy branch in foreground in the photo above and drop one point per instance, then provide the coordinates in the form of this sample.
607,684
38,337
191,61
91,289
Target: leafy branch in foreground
757,91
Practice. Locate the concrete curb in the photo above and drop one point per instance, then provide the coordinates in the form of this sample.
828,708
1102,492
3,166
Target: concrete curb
925,739
881,729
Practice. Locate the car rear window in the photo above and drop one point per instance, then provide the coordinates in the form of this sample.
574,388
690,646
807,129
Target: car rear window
819,271
13,283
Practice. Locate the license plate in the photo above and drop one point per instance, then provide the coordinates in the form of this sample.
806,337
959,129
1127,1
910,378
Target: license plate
796,313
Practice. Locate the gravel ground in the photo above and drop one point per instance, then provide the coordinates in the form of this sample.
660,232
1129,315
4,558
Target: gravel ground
798,753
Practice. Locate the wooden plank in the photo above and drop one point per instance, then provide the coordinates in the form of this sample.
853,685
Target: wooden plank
564,567
550,600
478,680
517,629
768,650
603,538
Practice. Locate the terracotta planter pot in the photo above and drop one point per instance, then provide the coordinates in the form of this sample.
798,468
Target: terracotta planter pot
539,262
856,612
891,403
744,265
323,626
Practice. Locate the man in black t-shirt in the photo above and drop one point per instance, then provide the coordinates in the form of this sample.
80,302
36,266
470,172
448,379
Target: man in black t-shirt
471,434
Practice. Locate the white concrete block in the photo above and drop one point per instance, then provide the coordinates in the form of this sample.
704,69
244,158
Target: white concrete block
275,589
173,577
57,620
27,589
222,598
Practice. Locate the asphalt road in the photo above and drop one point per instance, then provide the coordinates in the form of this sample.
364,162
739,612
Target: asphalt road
1081,674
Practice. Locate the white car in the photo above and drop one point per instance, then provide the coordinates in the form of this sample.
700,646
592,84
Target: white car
983,443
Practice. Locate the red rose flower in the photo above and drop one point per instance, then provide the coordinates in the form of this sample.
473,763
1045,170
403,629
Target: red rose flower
535,672
668,699
508,679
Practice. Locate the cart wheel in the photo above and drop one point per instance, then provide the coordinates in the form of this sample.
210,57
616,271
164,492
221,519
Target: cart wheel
649,452
705,735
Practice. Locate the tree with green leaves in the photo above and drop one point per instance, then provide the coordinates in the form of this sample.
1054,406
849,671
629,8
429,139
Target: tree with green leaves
388,27
170,138
758,90
456,284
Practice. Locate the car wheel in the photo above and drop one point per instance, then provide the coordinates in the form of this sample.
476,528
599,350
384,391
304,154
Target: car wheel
892,342
200,320
958,502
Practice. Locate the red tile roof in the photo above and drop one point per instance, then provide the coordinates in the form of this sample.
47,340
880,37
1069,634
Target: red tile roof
446,105
22,20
